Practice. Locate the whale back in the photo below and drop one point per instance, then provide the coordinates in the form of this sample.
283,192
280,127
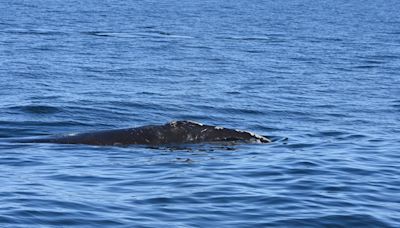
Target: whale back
176,132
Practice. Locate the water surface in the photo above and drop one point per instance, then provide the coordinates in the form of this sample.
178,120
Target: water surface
325,75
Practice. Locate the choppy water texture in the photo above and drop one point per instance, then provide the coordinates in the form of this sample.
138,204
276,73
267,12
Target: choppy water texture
324,74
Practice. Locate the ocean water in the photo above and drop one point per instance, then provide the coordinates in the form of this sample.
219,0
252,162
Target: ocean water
320,77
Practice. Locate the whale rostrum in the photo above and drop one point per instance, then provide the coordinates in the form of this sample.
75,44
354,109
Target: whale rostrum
176,132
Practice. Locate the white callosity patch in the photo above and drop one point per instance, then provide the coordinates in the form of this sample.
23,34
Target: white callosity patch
173,123
259,137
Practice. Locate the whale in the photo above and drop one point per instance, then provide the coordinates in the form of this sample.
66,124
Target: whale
175,132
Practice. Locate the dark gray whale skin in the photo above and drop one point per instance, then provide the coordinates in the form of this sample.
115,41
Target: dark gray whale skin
176,132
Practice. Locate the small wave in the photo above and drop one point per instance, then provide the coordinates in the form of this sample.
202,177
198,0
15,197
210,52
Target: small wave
396,104
14,131
255,51
81,178
37,109
147,27
301,145
197,46
42,217
321,39
365,66
331,133
242,111
351,220
163,34
270,39
17,129
155,34
376,61
41,32
111,34
43,123
10,161
327,106
244,38
386,57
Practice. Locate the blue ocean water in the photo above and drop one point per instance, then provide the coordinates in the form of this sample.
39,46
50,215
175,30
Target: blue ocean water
323,74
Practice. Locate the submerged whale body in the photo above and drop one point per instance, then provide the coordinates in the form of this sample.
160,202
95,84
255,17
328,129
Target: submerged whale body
176,132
